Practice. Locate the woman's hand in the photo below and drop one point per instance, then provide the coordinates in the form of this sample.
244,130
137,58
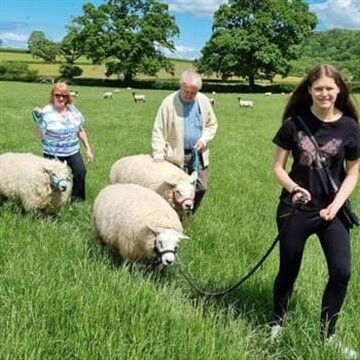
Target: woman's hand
38,111
89,155
329,212
300,195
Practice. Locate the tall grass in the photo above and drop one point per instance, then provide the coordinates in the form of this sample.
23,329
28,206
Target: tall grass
63,296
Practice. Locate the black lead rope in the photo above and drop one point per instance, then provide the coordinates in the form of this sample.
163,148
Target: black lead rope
224,291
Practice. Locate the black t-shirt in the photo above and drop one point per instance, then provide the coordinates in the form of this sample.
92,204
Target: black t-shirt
338,140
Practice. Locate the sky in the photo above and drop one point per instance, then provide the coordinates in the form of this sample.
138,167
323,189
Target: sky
18,18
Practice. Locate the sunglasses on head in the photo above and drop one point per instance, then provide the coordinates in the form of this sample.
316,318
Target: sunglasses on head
61,96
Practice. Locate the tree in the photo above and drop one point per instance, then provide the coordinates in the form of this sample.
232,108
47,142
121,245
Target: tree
42,47
339,47
69,71
128,35
72,45
256,39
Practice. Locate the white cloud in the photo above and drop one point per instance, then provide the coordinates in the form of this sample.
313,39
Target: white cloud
9,37
201,8
343,14
182,52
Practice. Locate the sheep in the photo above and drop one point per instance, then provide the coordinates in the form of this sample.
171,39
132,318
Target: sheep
108,95
42,185
73,93
116,91
138,97
268,93
165,178
138,223
245,103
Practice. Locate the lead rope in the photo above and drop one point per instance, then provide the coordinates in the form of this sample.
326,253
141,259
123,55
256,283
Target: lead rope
230,288
40,123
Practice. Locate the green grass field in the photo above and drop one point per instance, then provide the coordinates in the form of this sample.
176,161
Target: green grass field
63,296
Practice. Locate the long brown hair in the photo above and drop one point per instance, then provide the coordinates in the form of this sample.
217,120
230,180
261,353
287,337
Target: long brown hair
301,99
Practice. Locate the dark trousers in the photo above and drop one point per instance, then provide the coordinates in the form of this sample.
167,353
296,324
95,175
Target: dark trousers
77,166
294,229
202,180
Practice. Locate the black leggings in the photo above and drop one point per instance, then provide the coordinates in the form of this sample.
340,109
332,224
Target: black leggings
295,227
77,166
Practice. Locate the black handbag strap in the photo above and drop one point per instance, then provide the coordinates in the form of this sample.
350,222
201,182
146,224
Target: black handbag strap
323,169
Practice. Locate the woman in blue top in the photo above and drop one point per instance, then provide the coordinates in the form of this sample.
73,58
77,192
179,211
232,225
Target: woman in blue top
61,131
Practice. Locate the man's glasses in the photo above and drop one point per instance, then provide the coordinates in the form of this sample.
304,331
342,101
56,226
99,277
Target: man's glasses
58,96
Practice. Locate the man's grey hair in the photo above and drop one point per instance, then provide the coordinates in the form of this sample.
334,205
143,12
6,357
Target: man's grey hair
191,77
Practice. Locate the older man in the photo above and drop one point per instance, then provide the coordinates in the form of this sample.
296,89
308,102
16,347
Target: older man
184,125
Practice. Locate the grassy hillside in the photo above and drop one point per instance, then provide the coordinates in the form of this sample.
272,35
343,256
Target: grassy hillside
98,71
63,296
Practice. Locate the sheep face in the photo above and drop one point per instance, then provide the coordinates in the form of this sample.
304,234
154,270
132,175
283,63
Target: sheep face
184,192
59,183
166,244
58,175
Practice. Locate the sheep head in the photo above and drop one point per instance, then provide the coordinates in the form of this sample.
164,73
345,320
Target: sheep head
184,191
58,175
166,243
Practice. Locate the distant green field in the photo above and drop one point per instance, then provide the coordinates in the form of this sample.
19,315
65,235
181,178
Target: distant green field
98,71
63,296
89,70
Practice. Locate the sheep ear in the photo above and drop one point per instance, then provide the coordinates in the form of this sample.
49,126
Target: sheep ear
183,237
170,182
153,228
193,176
46,170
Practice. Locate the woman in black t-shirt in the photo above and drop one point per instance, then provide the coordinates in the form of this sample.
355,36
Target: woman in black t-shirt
323,101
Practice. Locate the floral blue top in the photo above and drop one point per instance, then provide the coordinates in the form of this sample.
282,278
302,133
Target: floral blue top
60,135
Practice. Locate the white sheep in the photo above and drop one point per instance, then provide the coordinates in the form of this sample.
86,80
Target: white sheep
116,91
73,93
108,95
138,97
268,93
245,103
138,223
165,178
42,185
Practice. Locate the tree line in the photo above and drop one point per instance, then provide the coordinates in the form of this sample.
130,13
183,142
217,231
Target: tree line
252,39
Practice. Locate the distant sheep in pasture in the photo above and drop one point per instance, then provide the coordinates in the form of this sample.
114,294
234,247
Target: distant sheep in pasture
165,178
138,223
139,97
73,93
245,103
268,93
108,95
116,91
42,185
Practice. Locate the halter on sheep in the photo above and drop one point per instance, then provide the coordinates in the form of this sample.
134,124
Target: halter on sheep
167,255
58,182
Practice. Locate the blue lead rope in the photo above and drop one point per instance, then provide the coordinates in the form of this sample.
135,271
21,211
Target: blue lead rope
40,123
195,160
